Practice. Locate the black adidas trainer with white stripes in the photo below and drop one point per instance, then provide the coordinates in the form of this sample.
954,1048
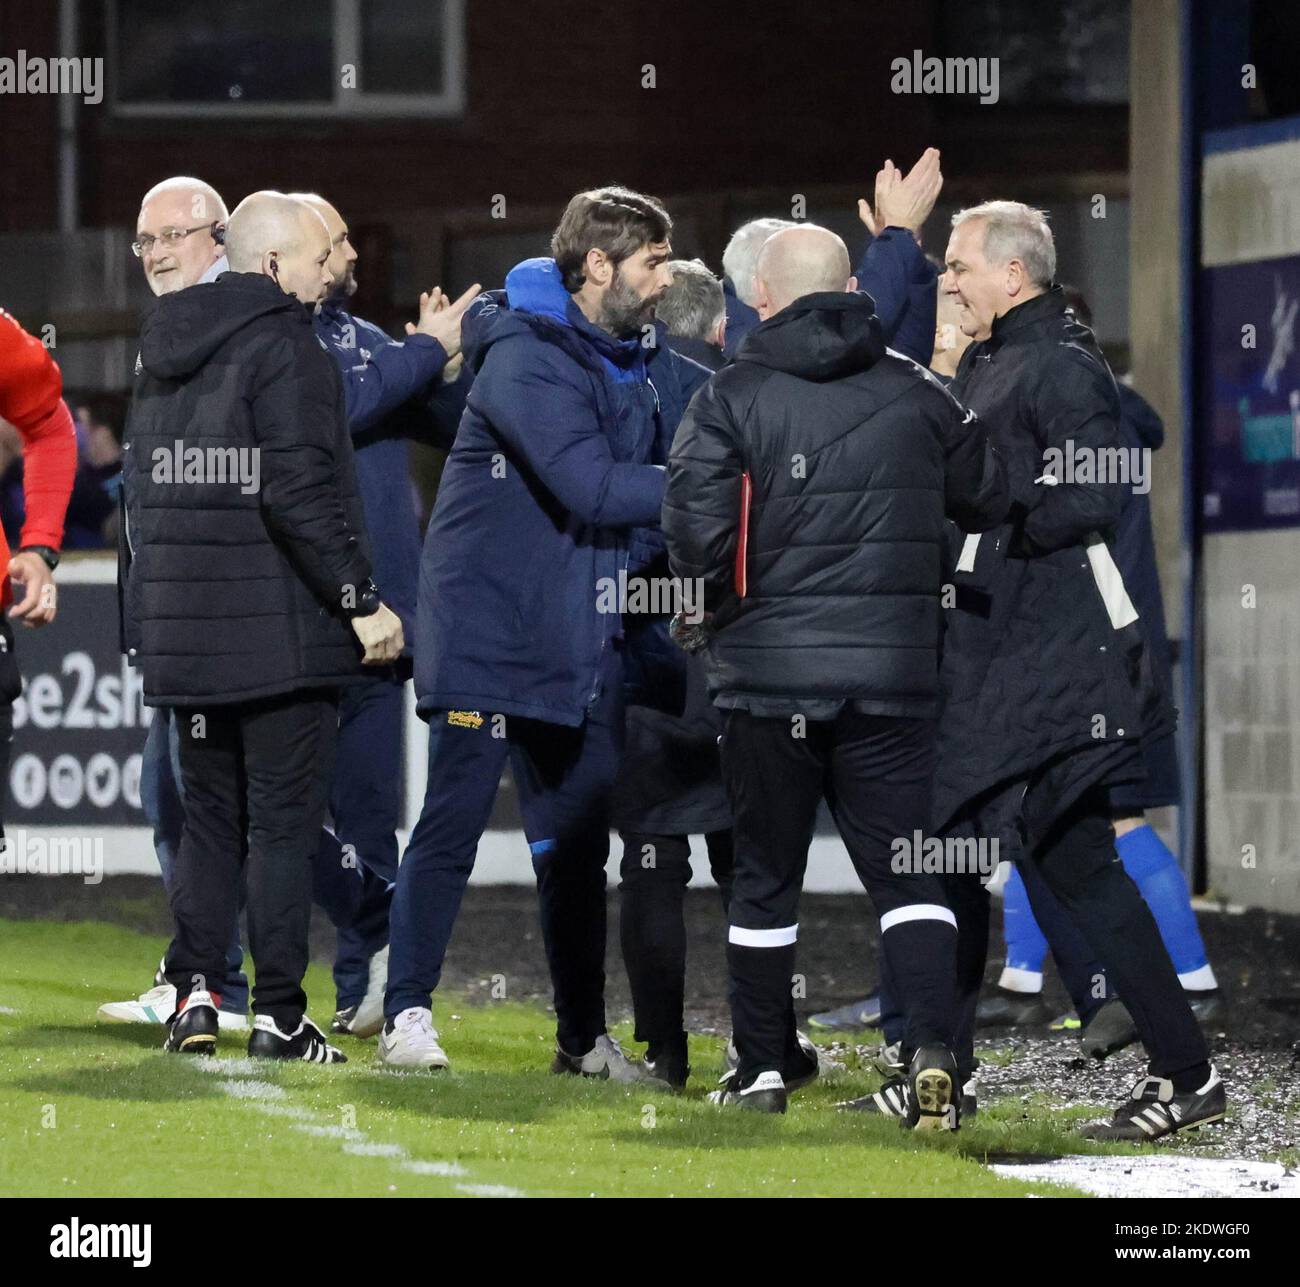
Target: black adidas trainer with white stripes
306,1042
765,1094
192,1029
926,1097
1154,1109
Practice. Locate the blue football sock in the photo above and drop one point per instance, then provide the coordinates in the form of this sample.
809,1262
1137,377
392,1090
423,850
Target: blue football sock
1156,873
1026,946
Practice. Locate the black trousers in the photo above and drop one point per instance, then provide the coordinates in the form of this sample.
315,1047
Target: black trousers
875,773
262,770
655,871
1077,861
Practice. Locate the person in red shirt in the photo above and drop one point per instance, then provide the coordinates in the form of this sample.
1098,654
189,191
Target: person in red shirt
31,389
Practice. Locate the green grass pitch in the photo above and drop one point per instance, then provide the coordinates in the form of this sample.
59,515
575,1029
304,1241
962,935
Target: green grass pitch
94,1110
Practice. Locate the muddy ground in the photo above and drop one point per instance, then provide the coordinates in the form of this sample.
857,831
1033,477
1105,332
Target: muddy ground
1255,954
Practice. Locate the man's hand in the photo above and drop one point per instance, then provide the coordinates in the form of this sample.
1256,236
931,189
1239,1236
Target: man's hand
40,602
691,636
440,319
451,372
904,201
381,636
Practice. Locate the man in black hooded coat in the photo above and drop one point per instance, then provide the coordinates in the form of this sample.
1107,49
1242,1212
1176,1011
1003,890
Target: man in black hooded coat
825,614
1048,687
247,600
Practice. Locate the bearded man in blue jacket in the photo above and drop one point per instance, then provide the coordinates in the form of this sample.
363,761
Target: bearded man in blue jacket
557,462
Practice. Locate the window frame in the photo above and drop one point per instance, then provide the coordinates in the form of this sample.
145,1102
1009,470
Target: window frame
345,23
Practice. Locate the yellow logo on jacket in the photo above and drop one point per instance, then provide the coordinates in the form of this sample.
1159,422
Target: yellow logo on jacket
465,719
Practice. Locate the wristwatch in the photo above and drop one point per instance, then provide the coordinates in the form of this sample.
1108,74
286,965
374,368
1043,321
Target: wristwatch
47,552
368,601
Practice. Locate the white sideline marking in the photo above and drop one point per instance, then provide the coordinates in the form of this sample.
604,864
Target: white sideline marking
291,1111
372,1149
264,1097
331,1132
251,1090
1167,1175
449,1169
231,1066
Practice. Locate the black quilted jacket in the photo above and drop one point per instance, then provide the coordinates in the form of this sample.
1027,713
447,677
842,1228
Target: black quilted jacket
1044,660
244,543
855,454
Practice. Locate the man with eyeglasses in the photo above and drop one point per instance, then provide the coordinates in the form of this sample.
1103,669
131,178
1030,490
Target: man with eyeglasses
180,234
180,242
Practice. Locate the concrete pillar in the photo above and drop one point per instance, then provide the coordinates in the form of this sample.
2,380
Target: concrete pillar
1157,293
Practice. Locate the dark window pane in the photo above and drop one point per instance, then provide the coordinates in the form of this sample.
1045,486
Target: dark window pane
401,47
237,51
1069,51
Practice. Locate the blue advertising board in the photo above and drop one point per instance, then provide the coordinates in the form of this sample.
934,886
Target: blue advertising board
1249,441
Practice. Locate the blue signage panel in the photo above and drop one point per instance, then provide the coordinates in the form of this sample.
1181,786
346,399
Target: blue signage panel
1250,437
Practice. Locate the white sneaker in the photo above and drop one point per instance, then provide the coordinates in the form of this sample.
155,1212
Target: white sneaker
369,1016
411,1041
157,1006
606,1060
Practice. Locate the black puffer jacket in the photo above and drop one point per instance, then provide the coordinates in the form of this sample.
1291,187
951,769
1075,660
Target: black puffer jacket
855,455
1044,662
241,588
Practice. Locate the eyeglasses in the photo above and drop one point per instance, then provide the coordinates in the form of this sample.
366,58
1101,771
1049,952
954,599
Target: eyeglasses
169,237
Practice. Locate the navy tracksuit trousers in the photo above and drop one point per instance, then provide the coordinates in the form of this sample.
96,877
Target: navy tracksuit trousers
356,863
564,777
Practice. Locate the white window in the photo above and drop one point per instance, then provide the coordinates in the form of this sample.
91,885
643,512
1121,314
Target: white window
287,58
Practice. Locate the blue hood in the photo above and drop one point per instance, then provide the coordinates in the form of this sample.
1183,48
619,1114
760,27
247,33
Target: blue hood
535,286
535,300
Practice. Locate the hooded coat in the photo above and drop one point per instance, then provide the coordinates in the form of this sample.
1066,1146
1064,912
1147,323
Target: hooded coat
537,512
243,552
855,454
1048,685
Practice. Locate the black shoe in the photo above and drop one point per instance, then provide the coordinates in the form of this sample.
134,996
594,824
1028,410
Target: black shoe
765,1094
339,1026
192,1030
804,1069
892,1100
889,1101
933,1090
1205,1003
306,1042
1005,1009
1110,1029
1153,1109
668,1063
